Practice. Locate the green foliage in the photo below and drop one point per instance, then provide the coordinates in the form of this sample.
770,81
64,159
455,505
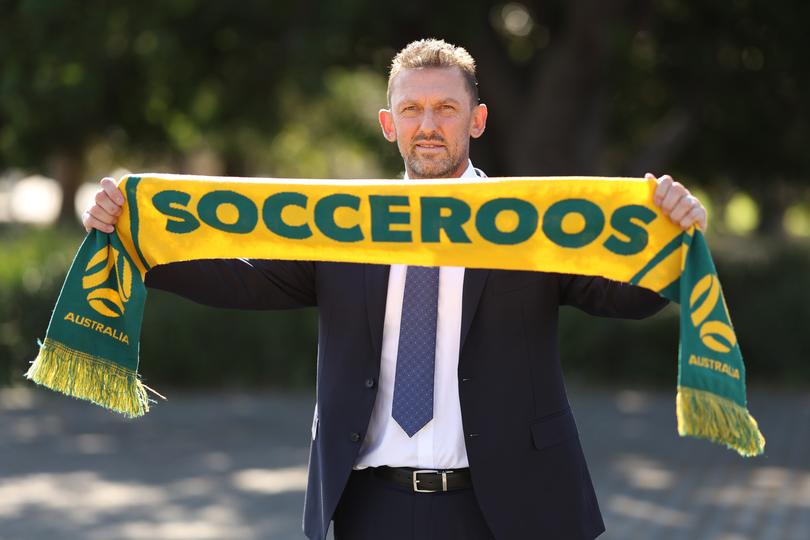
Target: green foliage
739,67
164,76
185,344
34,266
336,135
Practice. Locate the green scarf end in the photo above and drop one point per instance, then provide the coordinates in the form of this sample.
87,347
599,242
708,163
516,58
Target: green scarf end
88,377
709,416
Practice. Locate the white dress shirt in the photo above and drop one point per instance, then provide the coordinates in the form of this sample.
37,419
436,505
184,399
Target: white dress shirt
440,443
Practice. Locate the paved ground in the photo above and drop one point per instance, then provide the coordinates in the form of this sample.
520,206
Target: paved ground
233,466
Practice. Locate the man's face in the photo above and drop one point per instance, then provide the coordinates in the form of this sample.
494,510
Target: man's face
432,118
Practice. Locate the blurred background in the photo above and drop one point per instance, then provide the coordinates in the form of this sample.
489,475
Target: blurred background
713,93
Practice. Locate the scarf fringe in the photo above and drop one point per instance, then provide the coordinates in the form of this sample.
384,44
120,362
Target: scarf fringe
709,416
89,377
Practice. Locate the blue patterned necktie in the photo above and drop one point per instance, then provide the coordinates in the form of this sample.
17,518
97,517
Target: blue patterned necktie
416,357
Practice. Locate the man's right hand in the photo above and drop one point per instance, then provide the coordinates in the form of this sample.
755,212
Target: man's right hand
103,215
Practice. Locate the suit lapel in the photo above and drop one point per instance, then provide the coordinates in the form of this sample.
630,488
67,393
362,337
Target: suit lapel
376,294
474,281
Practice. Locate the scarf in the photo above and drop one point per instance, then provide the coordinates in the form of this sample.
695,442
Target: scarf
591,226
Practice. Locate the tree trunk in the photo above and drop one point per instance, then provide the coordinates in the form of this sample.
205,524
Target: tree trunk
551,123
68,167
773,200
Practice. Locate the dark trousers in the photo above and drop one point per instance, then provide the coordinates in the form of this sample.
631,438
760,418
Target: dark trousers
372,508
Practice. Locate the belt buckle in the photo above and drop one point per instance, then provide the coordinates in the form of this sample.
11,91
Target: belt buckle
416,480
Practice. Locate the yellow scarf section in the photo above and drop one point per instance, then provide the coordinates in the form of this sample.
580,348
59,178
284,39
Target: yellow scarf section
593,226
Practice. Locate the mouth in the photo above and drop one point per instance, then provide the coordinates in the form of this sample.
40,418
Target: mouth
429,146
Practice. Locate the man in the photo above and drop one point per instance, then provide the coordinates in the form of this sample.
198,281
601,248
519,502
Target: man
450,371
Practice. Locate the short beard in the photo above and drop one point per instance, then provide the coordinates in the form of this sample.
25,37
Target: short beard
437,168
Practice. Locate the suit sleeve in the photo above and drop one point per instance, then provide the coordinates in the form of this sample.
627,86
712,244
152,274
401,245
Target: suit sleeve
607,298
239,283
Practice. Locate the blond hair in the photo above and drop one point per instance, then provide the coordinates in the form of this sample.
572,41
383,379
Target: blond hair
435,53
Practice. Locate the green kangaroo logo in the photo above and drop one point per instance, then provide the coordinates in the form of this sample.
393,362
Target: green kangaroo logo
106,296
716,335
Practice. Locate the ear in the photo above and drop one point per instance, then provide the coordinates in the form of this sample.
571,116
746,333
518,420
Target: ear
478,121
387,125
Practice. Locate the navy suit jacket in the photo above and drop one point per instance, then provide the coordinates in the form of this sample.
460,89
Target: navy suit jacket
528,470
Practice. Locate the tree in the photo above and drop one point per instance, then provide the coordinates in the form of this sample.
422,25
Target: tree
164,78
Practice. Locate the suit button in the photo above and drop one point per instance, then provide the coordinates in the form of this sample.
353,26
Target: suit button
355,437
369,383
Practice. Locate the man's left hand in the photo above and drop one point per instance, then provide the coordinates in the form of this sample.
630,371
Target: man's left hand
680,206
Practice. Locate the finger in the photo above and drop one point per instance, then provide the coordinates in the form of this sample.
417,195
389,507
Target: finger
675,193
664,184
702,220
102,215
696,216
104,201
108,185
90,222
682,209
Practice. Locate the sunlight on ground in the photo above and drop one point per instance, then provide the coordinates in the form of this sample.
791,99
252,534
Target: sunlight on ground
647,511
772,484
16,399
271,481
86,500
643,473
62,491
632,401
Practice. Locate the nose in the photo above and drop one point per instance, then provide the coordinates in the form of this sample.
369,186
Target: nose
428,124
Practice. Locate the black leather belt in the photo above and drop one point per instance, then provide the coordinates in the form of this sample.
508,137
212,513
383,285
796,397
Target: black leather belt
426,480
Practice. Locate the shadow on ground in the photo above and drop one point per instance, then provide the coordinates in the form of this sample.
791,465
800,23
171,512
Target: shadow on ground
233,466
